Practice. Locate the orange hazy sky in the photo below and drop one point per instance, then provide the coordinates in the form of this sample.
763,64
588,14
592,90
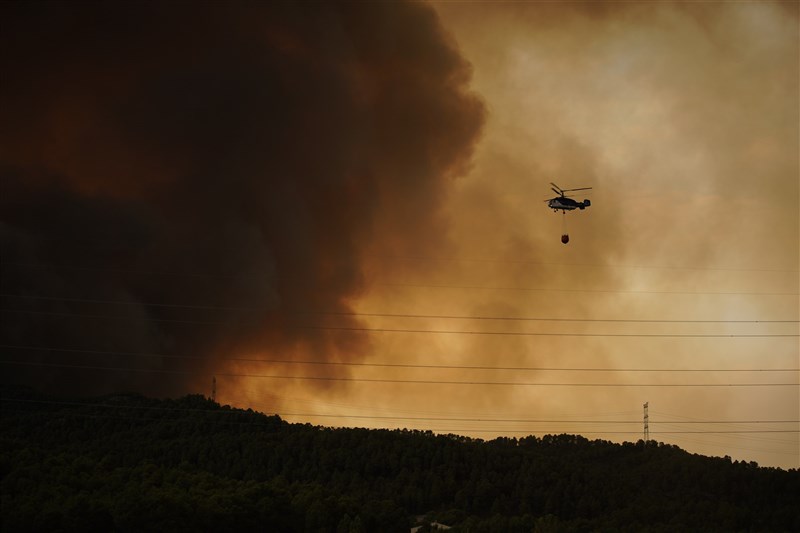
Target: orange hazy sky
684,120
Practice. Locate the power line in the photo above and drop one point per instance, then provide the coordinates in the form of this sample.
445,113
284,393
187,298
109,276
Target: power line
395,260
551,289
527,420
116,369
135,303
397,330
678,435
380,417
399,381
552,319
108,317
716,445
402,315
599,432
513,383
389,365
501,431
531,431
254,391
230,412
391,315
28,412
684,419
548,334
118,406
601,265
514,368
183,274
443,286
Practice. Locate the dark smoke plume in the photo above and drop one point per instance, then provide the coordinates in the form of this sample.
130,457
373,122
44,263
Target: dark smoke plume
188,182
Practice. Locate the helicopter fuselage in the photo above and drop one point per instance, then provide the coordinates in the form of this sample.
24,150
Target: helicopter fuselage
567,204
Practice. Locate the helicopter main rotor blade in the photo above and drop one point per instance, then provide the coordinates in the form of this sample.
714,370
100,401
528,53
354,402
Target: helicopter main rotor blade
578,189
557,191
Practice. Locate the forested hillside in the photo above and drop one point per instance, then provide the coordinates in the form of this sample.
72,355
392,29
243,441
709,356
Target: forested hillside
126,462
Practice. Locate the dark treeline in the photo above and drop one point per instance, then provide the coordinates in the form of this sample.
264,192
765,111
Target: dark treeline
126,462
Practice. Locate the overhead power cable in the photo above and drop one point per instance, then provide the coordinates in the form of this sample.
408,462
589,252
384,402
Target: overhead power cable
135,318
133,303
395,260
555,319
599,265
182,274
403,381
454,431
395,315
548,334
540,431
556,289
138,318
528,420
387,365
230,412
513,383
401,315
378,417
185,274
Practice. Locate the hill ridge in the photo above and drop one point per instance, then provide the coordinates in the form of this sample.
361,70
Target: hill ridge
125,461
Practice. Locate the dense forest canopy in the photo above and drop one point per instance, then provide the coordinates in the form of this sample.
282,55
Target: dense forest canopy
127,462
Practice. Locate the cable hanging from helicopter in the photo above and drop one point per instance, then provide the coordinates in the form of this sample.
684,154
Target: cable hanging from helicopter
565,203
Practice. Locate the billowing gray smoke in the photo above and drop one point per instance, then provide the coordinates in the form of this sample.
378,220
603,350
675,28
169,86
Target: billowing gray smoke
183,182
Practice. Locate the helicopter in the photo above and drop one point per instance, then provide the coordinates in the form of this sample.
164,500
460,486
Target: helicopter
564,202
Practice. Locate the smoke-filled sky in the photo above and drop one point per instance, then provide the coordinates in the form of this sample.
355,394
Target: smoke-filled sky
339,210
